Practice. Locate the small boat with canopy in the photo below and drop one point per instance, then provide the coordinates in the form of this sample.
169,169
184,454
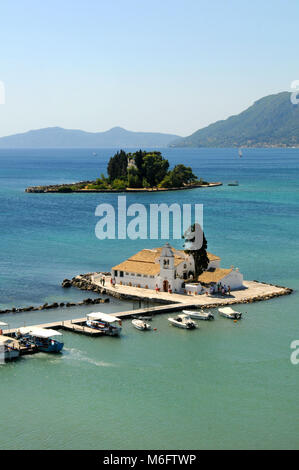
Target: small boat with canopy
108,324
44,339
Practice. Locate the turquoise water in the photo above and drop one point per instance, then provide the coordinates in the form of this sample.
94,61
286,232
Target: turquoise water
225,385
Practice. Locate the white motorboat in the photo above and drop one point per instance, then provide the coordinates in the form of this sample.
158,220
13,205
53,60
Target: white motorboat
141,325
9,349
183,321
199,315
108,324
228,312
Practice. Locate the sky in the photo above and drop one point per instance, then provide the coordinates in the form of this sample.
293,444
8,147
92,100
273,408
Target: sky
145,65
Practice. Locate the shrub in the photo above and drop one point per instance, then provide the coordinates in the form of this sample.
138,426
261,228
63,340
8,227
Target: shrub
119,184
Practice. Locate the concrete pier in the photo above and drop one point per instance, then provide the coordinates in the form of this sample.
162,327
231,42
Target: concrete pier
253,291
78,325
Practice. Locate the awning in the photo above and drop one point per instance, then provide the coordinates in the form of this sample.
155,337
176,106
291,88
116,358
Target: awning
8,340
102,316
39,332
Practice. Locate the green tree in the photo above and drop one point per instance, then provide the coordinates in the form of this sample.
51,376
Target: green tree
182,174
134,181
117,166
178,177
154,168
145,183
167,181
138,158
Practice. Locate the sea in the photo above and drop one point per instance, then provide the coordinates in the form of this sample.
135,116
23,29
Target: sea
224,386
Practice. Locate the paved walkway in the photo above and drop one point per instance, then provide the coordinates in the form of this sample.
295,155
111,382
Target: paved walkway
251,291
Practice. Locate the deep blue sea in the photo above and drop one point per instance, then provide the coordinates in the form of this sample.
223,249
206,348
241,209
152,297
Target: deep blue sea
222,386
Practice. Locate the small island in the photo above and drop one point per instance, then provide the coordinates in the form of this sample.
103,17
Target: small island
139,171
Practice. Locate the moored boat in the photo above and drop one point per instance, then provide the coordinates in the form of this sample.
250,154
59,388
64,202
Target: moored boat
199,315
228,312
9,349
108,324
44,339
141,325
183,321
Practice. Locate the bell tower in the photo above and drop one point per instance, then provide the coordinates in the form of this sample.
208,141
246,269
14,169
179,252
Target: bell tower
167,261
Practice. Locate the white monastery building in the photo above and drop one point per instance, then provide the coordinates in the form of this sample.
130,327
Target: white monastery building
169,269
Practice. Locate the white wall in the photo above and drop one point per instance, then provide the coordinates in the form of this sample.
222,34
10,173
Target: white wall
234,280
142,280
193,288
151,282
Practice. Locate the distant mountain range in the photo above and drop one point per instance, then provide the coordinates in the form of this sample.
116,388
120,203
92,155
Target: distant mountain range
58,137
271,121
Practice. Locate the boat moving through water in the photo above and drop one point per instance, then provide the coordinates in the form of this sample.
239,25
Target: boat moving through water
44,339
199,315
183,321
108,324
228,312
141,325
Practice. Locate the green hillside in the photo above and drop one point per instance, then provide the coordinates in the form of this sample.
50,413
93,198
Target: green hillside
270,121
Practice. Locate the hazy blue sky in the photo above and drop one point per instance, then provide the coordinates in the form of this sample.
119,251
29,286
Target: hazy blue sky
167,65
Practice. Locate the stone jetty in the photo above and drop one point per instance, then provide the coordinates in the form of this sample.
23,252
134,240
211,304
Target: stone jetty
54,305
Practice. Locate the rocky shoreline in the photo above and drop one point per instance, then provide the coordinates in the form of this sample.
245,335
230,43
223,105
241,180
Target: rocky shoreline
46,306
84,282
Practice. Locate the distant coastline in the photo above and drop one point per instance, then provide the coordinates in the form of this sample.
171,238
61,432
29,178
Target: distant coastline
260,145
271,122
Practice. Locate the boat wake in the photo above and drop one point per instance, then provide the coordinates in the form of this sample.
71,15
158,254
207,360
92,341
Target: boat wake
74,354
